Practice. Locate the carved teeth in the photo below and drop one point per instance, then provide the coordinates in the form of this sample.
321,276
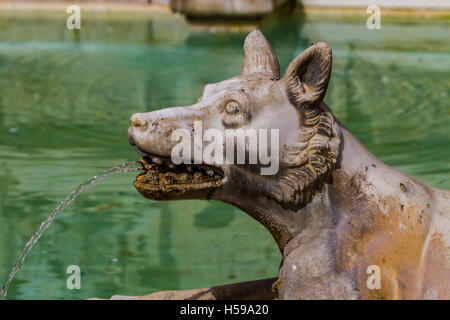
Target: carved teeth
156,160
175,169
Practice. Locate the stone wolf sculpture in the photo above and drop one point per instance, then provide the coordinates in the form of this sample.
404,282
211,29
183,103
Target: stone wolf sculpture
347,225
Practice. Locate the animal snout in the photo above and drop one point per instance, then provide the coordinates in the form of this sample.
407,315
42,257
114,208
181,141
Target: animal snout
138,122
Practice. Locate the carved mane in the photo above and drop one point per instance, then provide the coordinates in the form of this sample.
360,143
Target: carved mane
308,161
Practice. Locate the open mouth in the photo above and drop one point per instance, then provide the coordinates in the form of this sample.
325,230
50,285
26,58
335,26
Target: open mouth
164,180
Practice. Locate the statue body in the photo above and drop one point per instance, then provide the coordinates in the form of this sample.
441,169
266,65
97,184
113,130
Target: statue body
371,215
347,225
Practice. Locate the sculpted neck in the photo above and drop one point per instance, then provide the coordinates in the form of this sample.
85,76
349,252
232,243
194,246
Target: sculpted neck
321,213
353,155
324,211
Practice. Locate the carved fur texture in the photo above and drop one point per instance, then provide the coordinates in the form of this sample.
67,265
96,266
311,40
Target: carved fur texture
309,161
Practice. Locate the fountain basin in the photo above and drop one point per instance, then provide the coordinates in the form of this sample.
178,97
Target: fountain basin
210,9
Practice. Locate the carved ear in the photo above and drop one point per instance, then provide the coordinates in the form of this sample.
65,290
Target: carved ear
259,56
307,76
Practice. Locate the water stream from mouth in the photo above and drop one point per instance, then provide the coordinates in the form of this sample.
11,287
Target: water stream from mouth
126,167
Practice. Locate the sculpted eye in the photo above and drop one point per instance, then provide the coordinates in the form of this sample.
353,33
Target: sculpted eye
232,107
236,109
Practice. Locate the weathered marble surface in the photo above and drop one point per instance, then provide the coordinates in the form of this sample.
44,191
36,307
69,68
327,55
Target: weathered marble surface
334,209
251,290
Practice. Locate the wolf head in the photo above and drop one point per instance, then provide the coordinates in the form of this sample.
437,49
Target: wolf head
288,111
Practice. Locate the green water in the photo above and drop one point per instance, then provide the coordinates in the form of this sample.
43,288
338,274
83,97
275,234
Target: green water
65,101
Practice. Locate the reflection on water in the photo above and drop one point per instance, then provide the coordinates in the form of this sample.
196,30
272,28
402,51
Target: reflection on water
64,110
126,167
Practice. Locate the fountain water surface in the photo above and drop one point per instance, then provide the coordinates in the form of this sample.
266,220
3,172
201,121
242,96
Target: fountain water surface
126,167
